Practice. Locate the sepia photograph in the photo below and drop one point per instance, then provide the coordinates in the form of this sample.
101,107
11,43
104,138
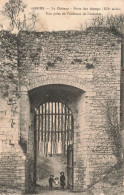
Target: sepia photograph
61,97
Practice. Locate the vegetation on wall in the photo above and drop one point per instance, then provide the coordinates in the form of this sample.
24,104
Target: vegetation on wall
8,69
113,22
51,64
89,66
113,126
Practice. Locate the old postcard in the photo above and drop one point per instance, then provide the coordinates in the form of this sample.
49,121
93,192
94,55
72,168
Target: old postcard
61,97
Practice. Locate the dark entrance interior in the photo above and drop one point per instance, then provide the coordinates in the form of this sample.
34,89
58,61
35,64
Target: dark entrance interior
53,142
54,109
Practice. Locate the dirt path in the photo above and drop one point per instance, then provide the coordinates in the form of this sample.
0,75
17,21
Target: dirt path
57,166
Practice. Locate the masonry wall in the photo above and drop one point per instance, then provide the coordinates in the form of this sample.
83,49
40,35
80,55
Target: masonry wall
87,60
94,58
12,158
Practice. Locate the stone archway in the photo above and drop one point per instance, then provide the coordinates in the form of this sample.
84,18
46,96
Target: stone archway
57,78
38,94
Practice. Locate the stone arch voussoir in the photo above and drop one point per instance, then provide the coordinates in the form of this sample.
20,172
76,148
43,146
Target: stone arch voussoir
64,79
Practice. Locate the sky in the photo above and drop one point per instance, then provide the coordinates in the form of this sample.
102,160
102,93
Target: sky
57,15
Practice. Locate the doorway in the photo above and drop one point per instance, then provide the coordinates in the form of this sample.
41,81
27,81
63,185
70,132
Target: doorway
53,141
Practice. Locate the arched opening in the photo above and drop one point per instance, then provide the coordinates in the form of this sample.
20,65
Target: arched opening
52,119
54,143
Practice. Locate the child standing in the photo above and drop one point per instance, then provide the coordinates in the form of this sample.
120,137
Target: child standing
56,181
51,180
62,180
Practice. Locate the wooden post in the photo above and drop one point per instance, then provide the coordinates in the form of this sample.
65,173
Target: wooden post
35,152
52,129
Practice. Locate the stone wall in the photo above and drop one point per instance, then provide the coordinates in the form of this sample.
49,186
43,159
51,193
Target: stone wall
89,61
12,159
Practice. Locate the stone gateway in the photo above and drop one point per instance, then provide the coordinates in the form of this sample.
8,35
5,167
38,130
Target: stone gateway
59,91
